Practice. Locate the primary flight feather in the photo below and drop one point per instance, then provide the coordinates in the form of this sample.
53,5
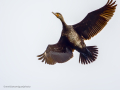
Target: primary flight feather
73,36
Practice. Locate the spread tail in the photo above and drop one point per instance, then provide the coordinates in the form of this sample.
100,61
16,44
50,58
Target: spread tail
89,55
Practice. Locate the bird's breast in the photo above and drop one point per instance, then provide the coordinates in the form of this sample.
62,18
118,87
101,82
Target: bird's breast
74,38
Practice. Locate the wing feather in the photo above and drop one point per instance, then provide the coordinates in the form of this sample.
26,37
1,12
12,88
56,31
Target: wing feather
57,53
95,21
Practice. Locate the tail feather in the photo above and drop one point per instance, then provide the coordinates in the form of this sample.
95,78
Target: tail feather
89,56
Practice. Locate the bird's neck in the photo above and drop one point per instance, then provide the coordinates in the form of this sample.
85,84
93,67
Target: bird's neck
63,23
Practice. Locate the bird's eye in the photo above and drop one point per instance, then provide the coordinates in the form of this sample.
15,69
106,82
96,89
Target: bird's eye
57,14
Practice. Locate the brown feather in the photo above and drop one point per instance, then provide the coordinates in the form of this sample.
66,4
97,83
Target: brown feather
57,53
95,21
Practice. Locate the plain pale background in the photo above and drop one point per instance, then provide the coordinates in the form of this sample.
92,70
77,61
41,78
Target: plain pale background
28,26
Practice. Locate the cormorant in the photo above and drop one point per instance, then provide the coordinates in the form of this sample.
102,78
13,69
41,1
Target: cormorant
73,36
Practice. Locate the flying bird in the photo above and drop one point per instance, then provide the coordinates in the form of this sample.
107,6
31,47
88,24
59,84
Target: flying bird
73,36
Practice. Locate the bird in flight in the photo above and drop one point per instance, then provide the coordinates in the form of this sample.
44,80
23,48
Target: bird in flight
73,36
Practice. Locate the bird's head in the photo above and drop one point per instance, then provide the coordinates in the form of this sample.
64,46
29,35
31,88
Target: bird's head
58,15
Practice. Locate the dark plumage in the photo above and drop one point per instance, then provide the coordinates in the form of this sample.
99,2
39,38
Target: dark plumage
73,36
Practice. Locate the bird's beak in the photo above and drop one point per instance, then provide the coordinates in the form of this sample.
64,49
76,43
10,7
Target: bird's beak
54,13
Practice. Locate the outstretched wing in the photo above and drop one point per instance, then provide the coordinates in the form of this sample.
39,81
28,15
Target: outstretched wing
95,21
57,53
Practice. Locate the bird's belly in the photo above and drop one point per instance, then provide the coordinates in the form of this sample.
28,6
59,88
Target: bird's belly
74,38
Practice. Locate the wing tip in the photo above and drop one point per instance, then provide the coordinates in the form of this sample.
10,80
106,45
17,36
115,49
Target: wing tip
111,3
109,11
46,59
41,56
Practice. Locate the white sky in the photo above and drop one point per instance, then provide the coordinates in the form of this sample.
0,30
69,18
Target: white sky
28,26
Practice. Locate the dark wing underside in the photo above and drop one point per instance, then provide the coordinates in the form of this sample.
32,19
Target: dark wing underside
57,53
95,21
